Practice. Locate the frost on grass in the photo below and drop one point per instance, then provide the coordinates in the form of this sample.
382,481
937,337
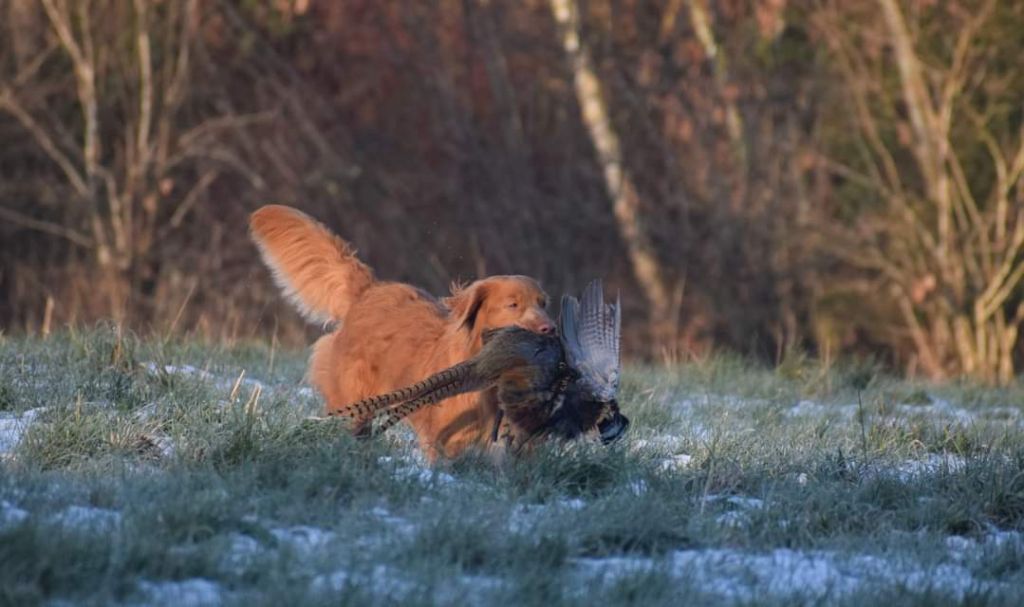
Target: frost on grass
525,518
303,539
790,576
965,549
240,383
381,581
205,376
195,592
412,467
398,525
738,509
392,585
240,552
680,461
373,553
11,515
934,408
665,449
928,465
87,518
810,408
13,427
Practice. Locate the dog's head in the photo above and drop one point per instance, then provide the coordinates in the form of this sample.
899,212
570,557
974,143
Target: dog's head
501,301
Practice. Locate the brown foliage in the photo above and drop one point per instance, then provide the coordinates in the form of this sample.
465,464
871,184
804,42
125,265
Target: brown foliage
779,153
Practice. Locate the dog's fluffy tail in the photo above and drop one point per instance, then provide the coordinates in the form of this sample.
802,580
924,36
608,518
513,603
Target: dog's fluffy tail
317,271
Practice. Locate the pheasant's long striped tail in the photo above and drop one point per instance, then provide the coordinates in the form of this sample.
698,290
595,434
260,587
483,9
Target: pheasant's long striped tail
399,412
444,384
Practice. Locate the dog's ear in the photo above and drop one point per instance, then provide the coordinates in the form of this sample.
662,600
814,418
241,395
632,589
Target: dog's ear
465,303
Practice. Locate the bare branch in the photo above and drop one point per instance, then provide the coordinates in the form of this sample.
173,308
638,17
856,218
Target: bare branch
192,197
9,103
85,78
930,141
46,227
1007,276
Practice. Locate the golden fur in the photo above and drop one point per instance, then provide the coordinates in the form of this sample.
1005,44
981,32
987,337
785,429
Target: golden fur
389,334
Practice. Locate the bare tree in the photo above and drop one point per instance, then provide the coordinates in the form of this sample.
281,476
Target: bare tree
122,178
947,244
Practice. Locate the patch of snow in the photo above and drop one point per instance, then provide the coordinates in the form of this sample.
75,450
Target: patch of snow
1001,538
469,590
380,581
186,370
701,432
738,501
393,523
690,404
13,427
929,465
241,553
964,549
809,408
426,475
734,519
638,487
11,515
227,383
959,545
1005,413
165,445
87,518
660,443
155,441
573,503
611,569
790,576
411,468
335,582
147,412
680,461
195,592
524,517
942,409
738,517
303,539
936,408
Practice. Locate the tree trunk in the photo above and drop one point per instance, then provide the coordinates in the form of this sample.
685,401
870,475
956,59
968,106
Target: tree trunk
620,186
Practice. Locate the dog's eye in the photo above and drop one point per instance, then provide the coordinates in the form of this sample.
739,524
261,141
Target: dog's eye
512,305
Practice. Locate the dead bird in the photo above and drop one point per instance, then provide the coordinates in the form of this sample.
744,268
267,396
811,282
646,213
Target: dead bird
563,386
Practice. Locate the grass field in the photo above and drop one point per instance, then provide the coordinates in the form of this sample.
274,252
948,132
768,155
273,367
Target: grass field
149,473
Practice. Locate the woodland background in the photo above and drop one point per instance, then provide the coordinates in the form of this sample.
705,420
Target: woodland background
766,176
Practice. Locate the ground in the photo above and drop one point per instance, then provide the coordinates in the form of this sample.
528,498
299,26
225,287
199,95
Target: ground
163,472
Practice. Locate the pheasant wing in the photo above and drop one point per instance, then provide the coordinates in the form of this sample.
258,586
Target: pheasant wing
590,331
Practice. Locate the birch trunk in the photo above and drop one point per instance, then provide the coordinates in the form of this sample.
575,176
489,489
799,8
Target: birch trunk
620,186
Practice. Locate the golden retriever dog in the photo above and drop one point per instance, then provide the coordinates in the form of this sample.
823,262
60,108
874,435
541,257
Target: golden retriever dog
387,334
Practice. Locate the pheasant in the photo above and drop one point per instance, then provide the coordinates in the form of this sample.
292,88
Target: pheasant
563,386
